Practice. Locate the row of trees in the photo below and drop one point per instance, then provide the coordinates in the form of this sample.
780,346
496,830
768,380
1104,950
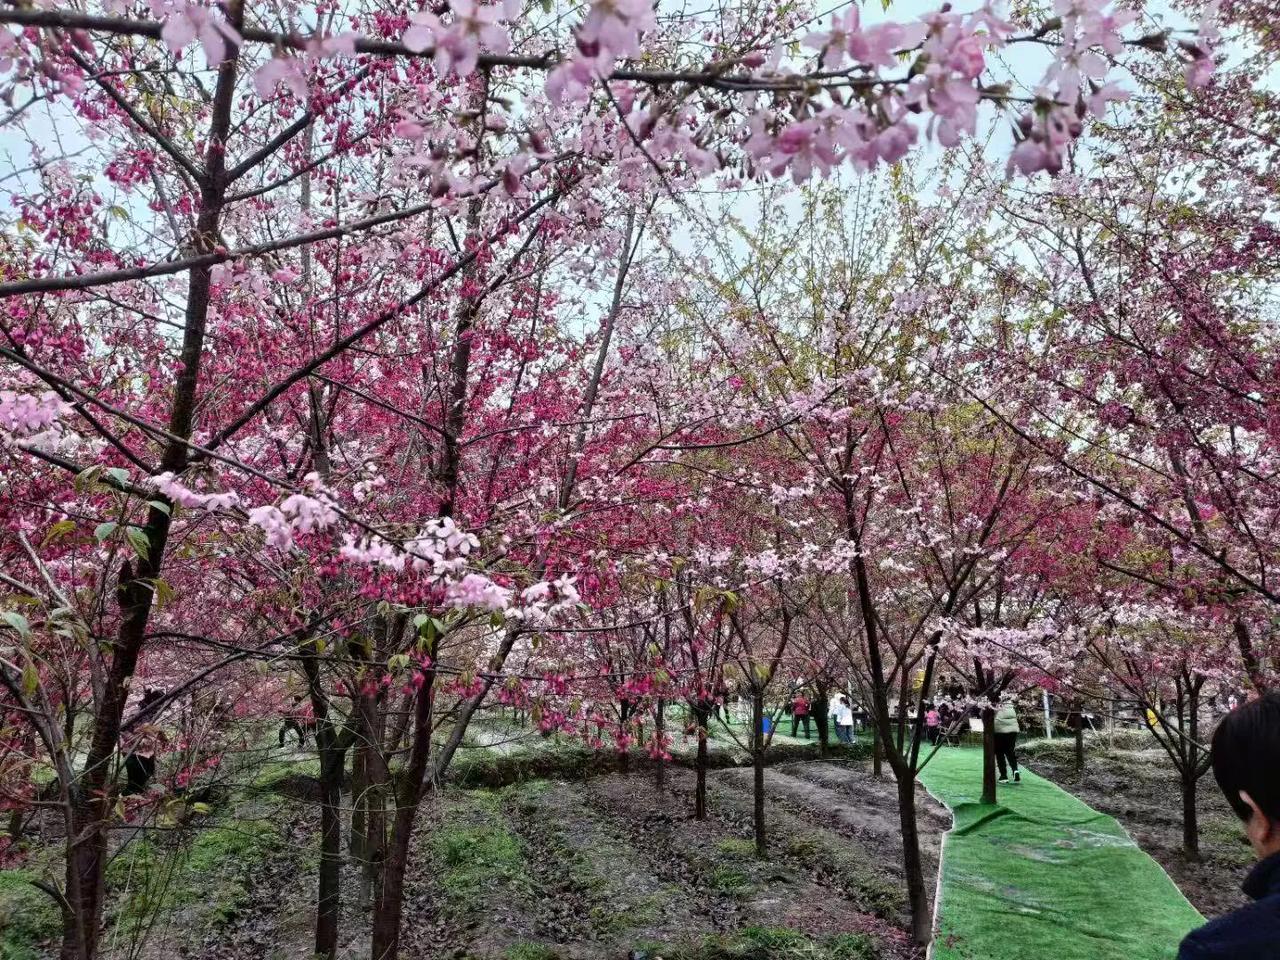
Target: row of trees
395,360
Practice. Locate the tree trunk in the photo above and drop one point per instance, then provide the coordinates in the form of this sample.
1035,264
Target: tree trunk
332,755
988,755
877,753
822,718
659,727
359,785
1190,818
703,717
357,844
1191,772
329,892
912,863
370,801
757,765
389,906
91,798
1080,740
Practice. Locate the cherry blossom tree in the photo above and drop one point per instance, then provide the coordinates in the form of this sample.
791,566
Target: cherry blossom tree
285,316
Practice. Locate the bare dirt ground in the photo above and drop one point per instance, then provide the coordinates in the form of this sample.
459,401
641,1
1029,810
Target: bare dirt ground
609,868
1140,789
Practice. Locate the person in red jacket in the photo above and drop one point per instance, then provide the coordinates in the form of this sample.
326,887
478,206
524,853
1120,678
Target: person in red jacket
800,712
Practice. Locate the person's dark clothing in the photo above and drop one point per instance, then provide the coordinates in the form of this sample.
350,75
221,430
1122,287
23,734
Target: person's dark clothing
796,720
1250,933
821,709
1006,753
139,768
290,723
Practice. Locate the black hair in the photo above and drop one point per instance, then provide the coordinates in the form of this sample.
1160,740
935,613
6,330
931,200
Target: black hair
1246,756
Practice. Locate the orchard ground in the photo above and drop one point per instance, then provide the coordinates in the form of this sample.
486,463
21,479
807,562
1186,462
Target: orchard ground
541,849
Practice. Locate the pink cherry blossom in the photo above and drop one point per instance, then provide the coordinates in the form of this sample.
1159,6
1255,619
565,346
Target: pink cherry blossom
185,22
281,70
23,414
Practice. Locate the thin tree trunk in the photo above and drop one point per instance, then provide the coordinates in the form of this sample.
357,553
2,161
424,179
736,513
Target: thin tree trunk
1190,818
1080,739
332,763
912,862
822,718
659,726
329,892
91,798
357,844
988,754
877,753
757,764
703,717
1191,772
389,906
370,802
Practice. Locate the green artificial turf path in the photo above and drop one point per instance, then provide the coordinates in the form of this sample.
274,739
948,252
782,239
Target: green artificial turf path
1042,875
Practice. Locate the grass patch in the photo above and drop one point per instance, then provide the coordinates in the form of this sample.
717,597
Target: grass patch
212,874
28,918
737,847
731,881
290,777
1225,838
476,853
530,951
771,943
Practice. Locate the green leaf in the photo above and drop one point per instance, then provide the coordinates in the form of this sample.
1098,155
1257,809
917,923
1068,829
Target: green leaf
85,478
30,681
119,474
16,621
59,529
138,540
159,505
163,591
104,530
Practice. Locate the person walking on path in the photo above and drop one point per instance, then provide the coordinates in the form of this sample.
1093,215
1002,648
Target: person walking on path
799,712
1006,730
844,720
1246,764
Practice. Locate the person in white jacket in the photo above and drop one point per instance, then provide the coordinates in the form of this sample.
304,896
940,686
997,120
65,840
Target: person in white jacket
843,714
1006,730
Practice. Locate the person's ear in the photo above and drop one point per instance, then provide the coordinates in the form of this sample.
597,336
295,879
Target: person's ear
1263,832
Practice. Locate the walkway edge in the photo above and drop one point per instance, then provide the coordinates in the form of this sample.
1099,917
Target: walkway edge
942,856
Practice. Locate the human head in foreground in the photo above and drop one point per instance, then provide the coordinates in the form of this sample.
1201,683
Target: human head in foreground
1246,764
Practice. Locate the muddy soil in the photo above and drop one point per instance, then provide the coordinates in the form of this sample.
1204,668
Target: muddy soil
813,881
607,868
1140,789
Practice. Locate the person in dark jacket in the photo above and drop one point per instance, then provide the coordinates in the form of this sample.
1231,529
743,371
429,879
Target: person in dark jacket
1246,764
